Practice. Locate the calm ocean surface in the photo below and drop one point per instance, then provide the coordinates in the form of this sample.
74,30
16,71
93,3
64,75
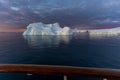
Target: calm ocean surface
79,50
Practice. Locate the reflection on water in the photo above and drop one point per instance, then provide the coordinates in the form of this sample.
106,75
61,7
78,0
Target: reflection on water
95,36
55,41
47,41
88,36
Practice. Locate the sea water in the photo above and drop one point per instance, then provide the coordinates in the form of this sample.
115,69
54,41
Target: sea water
78,50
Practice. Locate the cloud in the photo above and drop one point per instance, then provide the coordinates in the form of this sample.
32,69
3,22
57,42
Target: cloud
66,12
4,13
3,1
15,8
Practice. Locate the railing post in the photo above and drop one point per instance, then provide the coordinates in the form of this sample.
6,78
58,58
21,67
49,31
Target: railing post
65,77
105,79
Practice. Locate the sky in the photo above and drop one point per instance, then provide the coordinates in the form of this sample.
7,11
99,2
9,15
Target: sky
17,14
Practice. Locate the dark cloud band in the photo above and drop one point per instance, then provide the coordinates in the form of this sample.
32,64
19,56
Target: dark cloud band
66,12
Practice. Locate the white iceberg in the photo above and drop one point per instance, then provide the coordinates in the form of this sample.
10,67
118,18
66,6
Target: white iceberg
105,32
99,32
55,29
47,29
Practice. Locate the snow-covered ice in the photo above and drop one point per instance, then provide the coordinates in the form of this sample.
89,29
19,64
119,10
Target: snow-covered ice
47,29
105,32
55,29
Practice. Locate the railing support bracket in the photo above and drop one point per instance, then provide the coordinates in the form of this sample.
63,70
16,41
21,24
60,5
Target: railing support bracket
65,77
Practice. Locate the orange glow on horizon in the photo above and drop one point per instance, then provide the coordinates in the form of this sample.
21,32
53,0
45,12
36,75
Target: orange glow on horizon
12,30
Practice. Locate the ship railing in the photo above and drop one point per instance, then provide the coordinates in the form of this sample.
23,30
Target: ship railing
102,73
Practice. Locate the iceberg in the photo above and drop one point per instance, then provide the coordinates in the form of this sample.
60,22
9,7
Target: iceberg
99,32
47,29
55,29
105,32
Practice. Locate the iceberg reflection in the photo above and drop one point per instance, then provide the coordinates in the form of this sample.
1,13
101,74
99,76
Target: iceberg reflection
47,41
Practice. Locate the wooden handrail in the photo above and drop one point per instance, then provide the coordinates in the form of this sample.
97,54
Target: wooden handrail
61,70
